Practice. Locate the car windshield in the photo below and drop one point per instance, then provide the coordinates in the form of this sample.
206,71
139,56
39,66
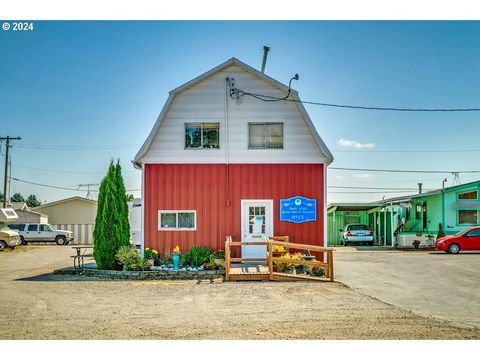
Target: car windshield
462,232
358,227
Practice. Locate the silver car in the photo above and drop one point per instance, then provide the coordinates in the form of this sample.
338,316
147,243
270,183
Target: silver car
357,233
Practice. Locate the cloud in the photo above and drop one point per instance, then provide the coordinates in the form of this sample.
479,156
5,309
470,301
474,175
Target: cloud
363,176
355,144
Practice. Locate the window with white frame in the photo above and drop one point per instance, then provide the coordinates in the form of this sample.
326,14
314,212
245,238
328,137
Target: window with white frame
202,135
177,220
265,135
467,217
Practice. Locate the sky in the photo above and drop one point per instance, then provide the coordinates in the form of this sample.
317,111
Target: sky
80,93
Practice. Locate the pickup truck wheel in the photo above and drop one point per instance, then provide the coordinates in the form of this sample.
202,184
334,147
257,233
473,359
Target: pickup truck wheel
61,240
3,245
22,239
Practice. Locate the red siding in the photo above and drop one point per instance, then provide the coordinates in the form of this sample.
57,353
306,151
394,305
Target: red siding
204,188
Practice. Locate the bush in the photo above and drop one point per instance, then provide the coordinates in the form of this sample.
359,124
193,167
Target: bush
129,258
111,224
196,256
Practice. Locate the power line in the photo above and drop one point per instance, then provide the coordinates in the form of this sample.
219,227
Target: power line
238,94
372,188
370,192
407,171
409,151
59,187
67,171
76,147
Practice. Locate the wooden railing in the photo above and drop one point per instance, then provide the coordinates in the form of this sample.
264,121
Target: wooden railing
270,242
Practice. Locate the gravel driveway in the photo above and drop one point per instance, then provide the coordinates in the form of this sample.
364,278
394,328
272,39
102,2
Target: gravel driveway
428,283
38,305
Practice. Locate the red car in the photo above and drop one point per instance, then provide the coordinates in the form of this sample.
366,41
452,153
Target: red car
465,240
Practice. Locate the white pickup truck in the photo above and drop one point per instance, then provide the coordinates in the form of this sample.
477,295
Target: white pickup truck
41,232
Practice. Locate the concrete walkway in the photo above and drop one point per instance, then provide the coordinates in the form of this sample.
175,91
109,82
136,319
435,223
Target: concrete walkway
428,283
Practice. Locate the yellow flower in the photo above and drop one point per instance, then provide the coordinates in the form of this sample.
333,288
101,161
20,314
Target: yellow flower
147,248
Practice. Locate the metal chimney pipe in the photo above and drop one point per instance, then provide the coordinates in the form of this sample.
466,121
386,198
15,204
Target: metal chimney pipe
420,188
266,49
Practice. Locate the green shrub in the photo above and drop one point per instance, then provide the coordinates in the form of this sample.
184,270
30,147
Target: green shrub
196,256
129,258
318,271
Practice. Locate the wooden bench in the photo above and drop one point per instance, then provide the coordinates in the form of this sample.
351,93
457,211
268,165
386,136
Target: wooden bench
78,259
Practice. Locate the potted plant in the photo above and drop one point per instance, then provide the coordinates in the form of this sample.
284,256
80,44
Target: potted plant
129,258
176,257
150,256
218,257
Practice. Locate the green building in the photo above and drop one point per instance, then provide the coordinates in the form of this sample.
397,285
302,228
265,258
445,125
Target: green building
412,217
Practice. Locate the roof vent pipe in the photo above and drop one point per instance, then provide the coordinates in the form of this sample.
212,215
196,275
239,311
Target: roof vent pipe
266,49
420,188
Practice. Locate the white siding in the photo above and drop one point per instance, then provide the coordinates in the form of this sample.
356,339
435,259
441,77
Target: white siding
205,102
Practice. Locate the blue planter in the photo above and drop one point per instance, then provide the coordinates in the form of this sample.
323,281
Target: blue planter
176,261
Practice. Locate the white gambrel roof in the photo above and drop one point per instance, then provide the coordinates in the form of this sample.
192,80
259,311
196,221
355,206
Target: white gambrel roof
233,61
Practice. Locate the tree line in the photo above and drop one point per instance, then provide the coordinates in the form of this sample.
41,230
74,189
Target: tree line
31,200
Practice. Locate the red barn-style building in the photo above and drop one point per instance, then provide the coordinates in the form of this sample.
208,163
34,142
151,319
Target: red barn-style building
221,162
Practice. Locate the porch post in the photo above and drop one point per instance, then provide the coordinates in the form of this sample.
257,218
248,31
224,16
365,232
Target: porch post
391,222
384,226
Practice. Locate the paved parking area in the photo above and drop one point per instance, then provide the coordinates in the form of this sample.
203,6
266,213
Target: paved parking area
428,283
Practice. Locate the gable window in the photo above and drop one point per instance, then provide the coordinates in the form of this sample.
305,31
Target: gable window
202,135
265,135
471,195
467,217
177,220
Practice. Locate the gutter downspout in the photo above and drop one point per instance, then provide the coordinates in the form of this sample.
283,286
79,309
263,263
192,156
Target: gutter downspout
227,147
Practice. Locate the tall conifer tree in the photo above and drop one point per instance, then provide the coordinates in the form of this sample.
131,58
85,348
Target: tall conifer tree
124,238
107,230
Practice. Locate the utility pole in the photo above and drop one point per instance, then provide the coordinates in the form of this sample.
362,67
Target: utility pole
7,138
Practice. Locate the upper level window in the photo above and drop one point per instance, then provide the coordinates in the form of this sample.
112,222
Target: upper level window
265,135
202,135
471,195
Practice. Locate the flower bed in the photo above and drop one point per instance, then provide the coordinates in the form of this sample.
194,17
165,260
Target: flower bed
155,273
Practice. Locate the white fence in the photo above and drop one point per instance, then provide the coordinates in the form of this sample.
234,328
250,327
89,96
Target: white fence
82,233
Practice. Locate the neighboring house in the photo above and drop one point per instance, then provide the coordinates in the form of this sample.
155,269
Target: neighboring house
76,214
417,216
18,206
26,215
215,165
135,219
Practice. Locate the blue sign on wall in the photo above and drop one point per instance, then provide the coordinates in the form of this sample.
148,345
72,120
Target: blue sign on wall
298,209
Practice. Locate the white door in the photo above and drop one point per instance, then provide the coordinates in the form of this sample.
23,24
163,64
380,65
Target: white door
257,224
